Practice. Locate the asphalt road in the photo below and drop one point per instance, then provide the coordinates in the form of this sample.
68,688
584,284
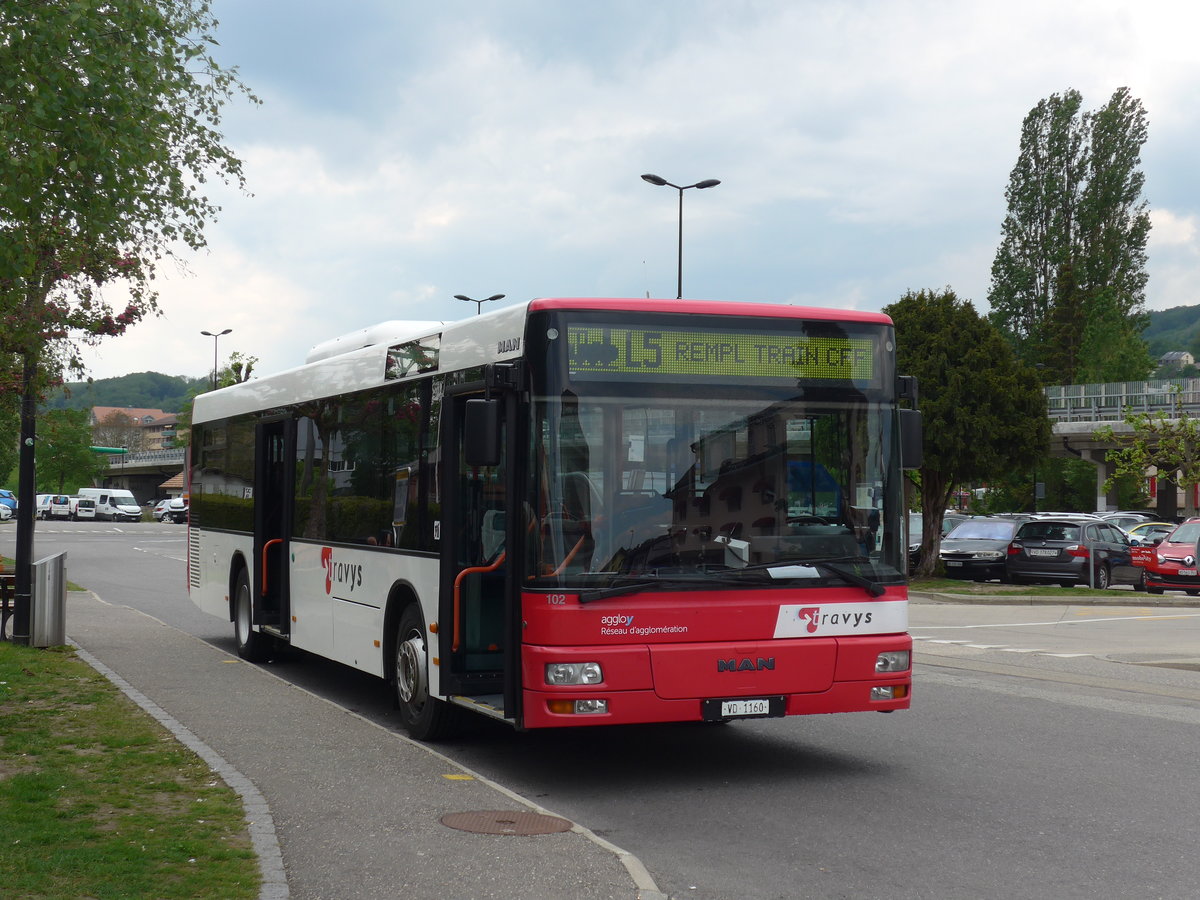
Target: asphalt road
1050,753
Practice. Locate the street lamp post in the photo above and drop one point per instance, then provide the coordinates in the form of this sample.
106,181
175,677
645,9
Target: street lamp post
215,338
479,303
700,185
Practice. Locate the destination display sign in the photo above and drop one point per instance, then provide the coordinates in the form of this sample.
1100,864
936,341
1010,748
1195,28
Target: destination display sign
615,351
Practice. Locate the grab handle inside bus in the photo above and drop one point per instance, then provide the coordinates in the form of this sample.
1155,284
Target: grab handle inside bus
266,547
458,580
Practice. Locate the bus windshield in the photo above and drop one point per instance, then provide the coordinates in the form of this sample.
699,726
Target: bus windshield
713,481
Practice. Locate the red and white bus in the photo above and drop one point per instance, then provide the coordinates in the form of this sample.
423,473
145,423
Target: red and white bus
573,512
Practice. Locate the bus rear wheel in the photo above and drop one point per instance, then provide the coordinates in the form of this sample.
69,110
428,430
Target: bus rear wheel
423,717
252,646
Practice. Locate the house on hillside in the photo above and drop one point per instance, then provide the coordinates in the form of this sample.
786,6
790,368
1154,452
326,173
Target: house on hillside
137,429
1177,359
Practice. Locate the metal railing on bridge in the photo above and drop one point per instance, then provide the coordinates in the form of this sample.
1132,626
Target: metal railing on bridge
1111,402
170,457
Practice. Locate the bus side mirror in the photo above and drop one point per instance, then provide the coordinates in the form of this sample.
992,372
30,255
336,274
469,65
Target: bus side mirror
912,452
481,433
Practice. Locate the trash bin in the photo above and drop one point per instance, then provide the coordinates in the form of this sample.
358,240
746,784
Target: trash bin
48,612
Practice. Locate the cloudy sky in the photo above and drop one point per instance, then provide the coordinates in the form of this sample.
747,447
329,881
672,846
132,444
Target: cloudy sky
409,151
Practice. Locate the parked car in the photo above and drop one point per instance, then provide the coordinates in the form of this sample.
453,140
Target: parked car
1073,551
6,513
1171,565
176,511
83,508
160,509
1148,533
916,529
977,548
9,499
1126,520
54,506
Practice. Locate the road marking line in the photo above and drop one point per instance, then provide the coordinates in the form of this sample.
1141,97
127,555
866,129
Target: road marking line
1061,622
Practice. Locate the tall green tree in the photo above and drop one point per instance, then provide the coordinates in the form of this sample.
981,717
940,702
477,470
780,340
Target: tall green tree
1069,277
109,118
984,411
65,459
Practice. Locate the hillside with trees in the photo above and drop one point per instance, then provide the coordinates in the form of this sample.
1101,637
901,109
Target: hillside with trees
1174,329
140,390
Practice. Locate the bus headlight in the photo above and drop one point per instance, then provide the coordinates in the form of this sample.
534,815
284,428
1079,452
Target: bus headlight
893,661
577,707
574,673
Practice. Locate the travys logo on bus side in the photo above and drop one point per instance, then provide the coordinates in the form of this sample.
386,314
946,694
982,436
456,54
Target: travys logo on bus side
339,573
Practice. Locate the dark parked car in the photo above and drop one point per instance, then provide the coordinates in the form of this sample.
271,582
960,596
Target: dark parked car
976,549
916,529
1073,551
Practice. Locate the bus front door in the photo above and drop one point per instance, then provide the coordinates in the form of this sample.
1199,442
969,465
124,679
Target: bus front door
476,574
274,466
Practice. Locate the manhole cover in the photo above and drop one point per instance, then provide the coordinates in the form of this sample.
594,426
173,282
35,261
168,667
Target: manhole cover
505,821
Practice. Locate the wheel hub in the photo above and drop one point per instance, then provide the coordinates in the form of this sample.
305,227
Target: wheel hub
410,671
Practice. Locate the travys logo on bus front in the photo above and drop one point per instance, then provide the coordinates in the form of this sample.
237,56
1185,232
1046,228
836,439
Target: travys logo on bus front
831,619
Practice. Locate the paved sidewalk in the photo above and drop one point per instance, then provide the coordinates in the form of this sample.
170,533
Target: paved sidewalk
356,808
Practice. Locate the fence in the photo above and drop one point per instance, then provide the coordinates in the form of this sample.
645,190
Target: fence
1111,402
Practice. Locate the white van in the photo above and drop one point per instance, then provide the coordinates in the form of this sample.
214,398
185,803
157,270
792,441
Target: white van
112,503
83,508
53,506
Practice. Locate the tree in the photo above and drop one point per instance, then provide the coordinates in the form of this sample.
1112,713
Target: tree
117,430
239,369
108,115
984,411
65,456
1069,277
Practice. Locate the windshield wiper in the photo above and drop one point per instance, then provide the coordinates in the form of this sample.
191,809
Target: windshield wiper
639,583
832,564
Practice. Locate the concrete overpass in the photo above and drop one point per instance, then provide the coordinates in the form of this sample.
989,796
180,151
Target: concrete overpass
1077,411
143,472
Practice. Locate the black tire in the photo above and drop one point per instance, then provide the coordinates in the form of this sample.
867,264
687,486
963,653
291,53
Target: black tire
1140,584
1103,578
252,646
423,717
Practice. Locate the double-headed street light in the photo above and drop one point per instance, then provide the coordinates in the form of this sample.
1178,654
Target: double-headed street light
215,338
479,303
701,185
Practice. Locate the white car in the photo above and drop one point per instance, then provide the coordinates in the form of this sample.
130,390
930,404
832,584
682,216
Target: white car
176,511
5,513
160,509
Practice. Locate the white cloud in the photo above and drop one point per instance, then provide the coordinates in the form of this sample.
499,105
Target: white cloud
408,154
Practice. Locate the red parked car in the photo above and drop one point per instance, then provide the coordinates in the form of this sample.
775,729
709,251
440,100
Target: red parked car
1172,564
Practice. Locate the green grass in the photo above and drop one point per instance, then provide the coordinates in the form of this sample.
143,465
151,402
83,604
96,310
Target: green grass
97,800
995,588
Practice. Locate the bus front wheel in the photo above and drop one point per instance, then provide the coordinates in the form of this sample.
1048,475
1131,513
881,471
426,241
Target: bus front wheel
252,646
425,718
